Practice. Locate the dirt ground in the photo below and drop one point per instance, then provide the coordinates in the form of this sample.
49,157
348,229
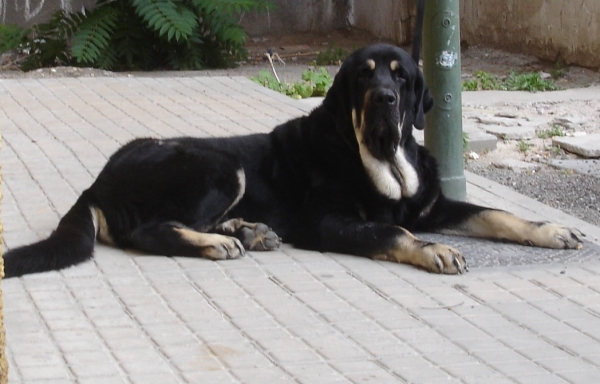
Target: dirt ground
301,49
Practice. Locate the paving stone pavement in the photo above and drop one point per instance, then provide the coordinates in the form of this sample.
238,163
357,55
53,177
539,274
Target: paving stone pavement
521,315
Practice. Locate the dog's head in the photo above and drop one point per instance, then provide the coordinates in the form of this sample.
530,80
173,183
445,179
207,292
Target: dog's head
381,92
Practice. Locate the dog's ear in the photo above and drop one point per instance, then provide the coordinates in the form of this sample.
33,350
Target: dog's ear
335,99
423,101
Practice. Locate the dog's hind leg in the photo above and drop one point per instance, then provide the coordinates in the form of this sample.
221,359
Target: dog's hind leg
175,239
254,236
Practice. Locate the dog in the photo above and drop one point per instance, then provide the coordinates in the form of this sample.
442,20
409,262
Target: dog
349,178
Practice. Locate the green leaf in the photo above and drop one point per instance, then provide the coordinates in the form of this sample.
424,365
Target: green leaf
93,35
164,16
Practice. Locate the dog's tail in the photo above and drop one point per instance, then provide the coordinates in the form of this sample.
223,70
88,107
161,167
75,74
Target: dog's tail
71,243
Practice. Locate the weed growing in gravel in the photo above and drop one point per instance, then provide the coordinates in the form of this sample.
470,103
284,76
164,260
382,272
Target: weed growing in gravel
331,56
465,141
314,83
552,132
523,146
556,150
528,81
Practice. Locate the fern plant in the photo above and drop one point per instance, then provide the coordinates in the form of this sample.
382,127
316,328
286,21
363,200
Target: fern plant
11,37
144,34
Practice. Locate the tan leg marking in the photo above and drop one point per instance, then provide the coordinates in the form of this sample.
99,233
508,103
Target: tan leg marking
433,257
102,233
502,225
212,245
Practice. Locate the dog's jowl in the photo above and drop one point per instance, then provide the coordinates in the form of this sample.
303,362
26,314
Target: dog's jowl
347,178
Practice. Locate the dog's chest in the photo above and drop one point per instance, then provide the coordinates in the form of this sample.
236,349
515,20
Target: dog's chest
393,179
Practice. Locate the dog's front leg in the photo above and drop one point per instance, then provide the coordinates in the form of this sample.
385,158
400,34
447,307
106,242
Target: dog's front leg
434,257
501,225
465,219
388,242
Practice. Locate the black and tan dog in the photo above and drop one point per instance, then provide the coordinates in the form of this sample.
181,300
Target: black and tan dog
347,178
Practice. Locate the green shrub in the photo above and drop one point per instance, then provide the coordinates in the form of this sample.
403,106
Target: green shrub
320,80
11,37
143,34
527,81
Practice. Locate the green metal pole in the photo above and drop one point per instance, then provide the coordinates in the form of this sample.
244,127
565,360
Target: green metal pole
441,60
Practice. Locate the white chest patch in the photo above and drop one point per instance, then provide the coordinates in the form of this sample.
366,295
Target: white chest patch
395,179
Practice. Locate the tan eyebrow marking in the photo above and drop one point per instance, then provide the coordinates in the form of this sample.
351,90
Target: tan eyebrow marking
394,65
371,64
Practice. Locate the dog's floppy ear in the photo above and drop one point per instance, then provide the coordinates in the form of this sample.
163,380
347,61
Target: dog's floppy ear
423,101
336,98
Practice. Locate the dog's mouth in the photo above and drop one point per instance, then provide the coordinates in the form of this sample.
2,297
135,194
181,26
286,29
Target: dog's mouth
381,134
378,123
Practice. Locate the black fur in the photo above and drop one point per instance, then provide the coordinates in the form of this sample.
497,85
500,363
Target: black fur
306,180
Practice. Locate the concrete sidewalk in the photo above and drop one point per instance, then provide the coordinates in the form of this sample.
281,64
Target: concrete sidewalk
521,315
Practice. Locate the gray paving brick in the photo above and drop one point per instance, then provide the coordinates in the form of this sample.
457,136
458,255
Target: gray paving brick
85,364
588,375
314,373
209,375
155,377
260,375
54,372
141,361
73,341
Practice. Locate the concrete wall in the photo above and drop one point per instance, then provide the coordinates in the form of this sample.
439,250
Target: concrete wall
567,31
28,12
559,30
388,19
290,16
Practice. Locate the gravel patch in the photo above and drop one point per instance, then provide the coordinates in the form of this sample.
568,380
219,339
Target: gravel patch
573,193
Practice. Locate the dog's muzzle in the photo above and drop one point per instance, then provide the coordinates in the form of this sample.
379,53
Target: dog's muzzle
382,123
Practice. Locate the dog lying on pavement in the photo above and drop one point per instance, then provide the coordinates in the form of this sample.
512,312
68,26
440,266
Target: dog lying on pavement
347,178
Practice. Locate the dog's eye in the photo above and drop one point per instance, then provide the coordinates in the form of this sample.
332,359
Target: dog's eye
397,76
365,73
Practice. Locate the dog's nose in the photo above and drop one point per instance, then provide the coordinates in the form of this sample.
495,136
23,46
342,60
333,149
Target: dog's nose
384,96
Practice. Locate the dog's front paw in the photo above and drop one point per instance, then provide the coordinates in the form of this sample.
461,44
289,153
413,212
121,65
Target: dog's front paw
550,235
440,258
433,257
223,247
